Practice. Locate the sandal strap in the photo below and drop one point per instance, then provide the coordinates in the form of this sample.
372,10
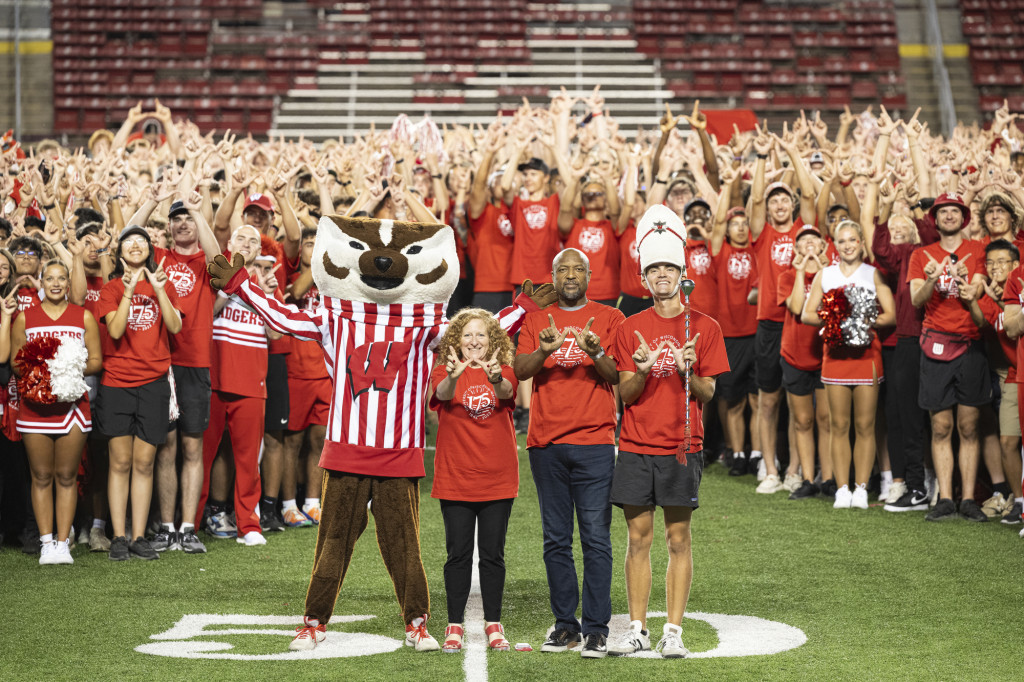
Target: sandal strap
494,627
496,636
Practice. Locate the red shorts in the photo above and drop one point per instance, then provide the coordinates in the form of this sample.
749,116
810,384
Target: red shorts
853,366
309,402
57,419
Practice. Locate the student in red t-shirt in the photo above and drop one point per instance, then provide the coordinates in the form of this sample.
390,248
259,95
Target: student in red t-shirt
491,246
594,235
668,359
474,394
133,405
534,219
55,434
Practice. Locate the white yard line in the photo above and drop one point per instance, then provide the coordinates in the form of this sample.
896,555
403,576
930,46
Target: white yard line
474,648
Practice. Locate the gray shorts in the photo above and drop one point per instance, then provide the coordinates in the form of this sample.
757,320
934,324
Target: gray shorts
656,480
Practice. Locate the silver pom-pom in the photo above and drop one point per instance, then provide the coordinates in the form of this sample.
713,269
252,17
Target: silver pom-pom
863,314
67,369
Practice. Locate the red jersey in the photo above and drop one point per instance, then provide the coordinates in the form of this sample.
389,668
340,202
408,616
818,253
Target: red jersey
463,469
653,423
774,251
997,333
801,343
535,224
735,276
56,418
1013,294
630,282
597,240
571,403
943,311
239,351
700,268
143,353
490,252
28,297
191,346
306,361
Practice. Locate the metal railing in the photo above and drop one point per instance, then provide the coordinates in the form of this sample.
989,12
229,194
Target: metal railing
947,112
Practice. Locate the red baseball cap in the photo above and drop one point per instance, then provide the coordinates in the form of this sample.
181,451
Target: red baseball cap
807,229
950,199
777,187
735,211
260,201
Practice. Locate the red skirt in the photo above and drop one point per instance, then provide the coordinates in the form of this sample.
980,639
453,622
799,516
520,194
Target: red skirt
853,366
56,419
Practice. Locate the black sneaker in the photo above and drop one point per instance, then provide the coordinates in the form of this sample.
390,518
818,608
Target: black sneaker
561,639
912,500
944,510
190,543
164,540
970,510
119,549
595,646
739,465
30,540
752,464
1012,517
806,490
141,549
828,488
270,522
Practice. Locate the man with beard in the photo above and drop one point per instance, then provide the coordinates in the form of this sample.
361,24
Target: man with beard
572,448
944,278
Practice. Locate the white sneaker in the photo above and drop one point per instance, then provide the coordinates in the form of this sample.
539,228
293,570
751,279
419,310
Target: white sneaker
844,498
770,484
1021,534
416,635
309,635
859,499
792,482
633,640
252,538
897,490
62,552
762,470
884,488
671,643
48,553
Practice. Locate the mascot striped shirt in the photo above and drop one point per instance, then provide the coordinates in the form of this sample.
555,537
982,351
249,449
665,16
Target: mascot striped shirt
379,357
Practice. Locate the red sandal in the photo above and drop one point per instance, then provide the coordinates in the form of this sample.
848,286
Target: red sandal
496,637
452,639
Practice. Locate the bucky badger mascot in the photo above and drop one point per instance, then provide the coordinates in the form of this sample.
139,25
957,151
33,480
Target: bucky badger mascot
385,286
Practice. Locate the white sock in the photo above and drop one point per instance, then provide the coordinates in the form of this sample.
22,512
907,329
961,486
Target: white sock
1019,500
740,455
46,539
312,502
755,454
186,527
887,476
862,486
99,523
288,504
168,526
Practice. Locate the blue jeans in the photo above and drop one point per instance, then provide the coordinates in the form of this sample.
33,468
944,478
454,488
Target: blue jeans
580,477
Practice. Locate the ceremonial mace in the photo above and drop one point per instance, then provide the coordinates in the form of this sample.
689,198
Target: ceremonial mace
687,287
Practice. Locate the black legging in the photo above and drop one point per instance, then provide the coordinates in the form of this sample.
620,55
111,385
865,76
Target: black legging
490,520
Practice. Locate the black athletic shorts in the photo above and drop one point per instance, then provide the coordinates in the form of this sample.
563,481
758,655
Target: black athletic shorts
800,381
963,381
656,480
278,407
736,384
768,343
192,387
140,411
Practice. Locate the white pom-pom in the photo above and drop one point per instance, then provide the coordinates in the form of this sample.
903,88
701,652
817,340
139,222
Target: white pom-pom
67,371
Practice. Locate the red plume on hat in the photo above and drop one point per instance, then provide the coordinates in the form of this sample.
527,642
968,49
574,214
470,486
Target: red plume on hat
269,247
7,143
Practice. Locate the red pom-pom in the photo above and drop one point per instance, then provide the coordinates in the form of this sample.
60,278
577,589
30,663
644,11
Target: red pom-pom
34,383
834,309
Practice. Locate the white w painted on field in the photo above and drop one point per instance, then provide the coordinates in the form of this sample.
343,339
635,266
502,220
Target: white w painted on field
180,643
737,635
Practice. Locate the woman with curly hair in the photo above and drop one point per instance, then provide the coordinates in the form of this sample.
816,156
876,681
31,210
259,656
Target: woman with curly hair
474,394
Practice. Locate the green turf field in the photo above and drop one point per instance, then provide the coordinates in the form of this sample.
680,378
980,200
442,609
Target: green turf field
878,596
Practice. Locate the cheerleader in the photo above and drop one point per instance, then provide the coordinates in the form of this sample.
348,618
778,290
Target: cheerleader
54,434
852,375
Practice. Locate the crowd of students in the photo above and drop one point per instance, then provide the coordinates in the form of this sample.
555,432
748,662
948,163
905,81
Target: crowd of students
201,417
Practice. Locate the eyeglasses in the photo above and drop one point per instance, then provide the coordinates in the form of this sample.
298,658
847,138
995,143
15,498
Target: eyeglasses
592,195
26,254
136,239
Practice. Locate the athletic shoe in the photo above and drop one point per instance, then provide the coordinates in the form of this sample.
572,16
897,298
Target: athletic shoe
944,510
859,500
560,639
416,635
62,552
311,633
997,505
914,500
762,470
844,498
312,513
98,541
119,549
829,488
739,465
30,538
671,643
47,553
252,538
884,490
792,482
633,640
1012,517
296,519
770,484
897,490
164,540
270,523
595,646
931,486
190,543
141,549
220,526
1021,533
82,537
806,490
970,510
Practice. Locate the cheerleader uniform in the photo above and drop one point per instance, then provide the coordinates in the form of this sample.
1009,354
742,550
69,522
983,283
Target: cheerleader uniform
845,366
58,418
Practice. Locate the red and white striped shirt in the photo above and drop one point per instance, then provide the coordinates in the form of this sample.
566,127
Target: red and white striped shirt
379,357
239,351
